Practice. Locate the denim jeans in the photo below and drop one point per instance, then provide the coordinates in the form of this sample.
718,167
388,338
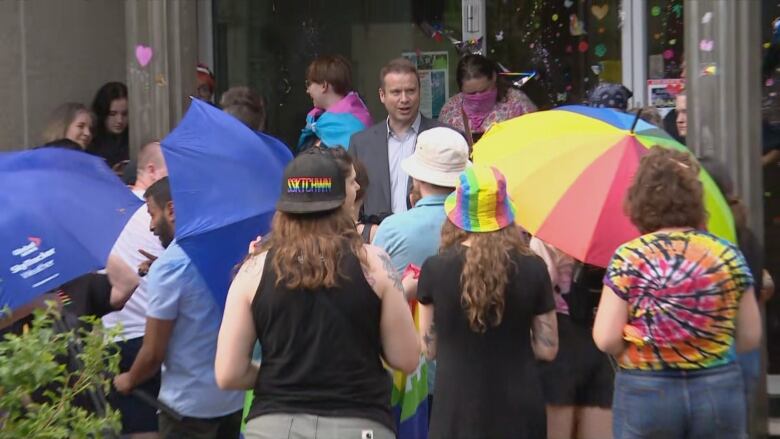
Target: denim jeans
750,363
678,404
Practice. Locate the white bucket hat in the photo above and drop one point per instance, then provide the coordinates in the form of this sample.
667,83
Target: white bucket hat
439,158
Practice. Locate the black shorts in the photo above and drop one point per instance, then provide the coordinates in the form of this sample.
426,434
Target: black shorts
580,375
137,416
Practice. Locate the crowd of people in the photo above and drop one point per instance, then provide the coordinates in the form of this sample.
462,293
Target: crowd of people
506,339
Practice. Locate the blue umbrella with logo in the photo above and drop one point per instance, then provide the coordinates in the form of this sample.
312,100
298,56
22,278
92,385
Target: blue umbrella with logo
61,213
225,181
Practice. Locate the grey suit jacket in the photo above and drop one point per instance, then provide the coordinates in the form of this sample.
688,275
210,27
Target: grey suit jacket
370,147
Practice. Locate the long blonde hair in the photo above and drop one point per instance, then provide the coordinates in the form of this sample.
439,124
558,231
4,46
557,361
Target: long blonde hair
307,248
486,271
61,118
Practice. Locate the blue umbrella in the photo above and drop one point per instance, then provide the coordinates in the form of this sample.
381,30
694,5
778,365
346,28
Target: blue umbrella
225,181
61,213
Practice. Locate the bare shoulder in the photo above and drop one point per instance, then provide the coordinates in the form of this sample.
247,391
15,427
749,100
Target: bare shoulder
253,265
376,256
248,278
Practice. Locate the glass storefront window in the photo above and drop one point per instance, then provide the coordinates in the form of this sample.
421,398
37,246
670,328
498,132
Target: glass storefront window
268,44
664,39
570,44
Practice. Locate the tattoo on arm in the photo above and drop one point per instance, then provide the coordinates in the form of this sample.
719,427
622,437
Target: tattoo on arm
544,333
369,278
387,264
429,338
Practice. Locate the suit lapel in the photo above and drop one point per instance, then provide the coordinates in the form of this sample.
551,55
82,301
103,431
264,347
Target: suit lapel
383,158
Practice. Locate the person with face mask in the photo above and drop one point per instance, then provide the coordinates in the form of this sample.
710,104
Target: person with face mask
484,99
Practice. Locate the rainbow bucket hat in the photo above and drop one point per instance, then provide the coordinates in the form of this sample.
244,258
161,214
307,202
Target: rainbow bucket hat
480,202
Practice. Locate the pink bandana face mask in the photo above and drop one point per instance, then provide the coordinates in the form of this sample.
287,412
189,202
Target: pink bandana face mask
478,106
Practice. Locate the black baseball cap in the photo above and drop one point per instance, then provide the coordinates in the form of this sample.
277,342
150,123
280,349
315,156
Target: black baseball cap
312,183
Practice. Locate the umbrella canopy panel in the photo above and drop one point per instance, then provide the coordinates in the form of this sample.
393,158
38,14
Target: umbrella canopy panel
225,180
568,171
62,212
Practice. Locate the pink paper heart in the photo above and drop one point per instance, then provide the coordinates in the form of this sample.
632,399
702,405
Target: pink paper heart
706,45
143,54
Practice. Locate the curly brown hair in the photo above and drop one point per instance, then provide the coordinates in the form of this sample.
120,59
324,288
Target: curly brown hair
486,271
308,248
666,192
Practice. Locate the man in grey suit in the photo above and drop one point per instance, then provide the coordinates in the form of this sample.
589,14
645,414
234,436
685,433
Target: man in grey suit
382,147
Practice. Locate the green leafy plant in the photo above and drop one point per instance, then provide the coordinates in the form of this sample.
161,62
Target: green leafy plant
48,370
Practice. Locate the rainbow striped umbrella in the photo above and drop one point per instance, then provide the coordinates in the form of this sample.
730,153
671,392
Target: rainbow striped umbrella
568,171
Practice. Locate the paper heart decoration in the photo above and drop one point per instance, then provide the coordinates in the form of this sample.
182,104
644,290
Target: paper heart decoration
706,45
576,27
143,54
600,11
706,18
710,70
568,3
668,54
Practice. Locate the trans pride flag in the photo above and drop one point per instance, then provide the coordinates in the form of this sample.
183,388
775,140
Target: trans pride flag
410,395
335,126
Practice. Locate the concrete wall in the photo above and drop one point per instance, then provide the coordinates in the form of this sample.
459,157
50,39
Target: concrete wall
54,51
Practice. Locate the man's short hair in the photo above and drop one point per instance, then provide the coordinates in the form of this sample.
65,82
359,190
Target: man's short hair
333,69
150,152
160,192
397,65
246,105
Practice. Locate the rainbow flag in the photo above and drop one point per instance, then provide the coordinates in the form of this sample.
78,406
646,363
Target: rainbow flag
337,125
410,395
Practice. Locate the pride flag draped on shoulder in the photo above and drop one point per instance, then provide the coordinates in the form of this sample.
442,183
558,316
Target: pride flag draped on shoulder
335,126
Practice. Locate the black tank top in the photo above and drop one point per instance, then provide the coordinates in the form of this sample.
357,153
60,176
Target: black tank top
321,349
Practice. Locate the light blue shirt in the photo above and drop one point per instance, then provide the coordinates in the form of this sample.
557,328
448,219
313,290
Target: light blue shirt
399,147
176,291
411,237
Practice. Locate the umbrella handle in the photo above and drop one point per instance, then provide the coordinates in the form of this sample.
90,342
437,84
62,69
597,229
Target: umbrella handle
636,120
156,403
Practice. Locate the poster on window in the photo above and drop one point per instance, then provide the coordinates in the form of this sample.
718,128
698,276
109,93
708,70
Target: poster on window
434,80
662,93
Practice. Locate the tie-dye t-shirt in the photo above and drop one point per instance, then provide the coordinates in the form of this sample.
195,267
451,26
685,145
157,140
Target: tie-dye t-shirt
683,290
